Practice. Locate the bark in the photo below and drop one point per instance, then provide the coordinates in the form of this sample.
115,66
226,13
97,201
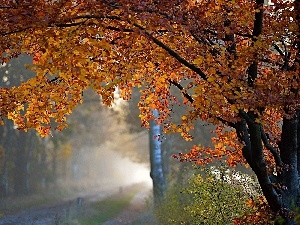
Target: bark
250,134
156,161
282,189
288,177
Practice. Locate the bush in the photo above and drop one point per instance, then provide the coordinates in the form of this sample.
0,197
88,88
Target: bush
209,197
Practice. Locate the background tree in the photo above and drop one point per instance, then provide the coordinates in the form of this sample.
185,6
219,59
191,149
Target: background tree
171,143
156,160
240,60
31,164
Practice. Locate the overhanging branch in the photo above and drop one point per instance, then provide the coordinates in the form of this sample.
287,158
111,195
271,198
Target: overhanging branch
173,53
278,49
271,148
183,91
15,31
191,100
245,116
67,24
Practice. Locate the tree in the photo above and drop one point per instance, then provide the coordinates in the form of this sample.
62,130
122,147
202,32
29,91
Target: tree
156,161
239,59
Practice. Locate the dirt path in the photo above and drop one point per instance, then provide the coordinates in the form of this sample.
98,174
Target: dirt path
54,214
136,207
64,212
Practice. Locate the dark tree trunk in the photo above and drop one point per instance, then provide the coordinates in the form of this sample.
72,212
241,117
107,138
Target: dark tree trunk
281,189
288,153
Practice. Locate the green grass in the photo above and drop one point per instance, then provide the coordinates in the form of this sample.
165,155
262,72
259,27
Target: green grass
15,204
102,211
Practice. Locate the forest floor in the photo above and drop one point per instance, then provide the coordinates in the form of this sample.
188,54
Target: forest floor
119,206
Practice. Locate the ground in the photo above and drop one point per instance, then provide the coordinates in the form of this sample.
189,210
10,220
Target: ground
68,211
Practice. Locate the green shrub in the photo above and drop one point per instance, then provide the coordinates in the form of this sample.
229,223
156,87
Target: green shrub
208,197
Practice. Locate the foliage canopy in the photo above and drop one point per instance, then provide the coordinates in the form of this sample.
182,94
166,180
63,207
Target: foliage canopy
235,62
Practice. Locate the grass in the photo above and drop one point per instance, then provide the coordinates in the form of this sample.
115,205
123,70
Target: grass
15,204
104,210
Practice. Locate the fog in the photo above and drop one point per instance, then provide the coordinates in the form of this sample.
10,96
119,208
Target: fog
96,151
104,152
105,167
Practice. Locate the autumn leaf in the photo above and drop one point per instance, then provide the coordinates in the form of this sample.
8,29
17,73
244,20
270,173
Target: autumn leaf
235,64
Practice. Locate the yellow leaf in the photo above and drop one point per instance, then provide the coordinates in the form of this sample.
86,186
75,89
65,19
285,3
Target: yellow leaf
211,79
198,61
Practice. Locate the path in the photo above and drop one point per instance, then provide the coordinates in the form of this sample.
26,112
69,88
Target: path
65,211
136,207
53,214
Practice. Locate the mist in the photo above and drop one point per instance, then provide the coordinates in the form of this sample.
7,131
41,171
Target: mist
96,151
105,167
104,152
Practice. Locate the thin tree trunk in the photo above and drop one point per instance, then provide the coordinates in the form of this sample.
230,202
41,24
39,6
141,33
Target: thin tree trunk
7,145
28,160
43,163
20,163
156,161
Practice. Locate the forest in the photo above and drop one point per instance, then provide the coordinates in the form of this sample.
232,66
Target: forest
214,85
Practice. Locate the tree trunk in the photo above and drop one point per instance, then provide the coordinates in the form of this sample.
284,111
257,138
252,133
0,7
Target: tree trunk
281,189
156,161
43,164
7,145
289,176
20,164
28,160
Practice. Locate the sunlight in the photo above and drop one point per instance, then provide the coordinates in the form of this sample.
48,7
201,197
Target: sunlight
141,175
118,103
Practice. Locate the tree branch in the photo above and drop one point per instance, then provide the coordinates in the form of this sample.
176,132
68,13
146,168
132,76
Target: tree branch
183,91
278,49
245,116
98,17
191,100
67,24
119,29
173,53
200,39
228,123
243,136
15,31
257,30
154,39
6,7
271,148
237,33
